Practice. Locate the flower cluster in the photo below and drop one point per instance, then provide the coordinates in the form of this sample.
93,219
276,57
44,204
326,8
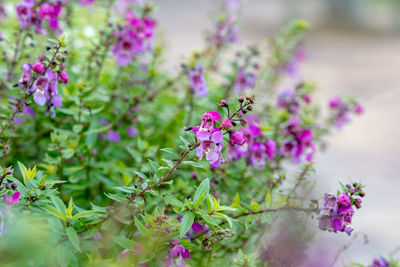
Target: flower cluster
381,262
337,211
113,135
341,109
290,100
33,13
256,149
226,30
197,81
133,38
41,79
243,81
298,143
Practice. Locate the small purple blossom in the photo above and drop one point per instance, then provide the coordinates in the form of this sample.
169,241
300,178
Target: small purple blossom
197,81
12,200
131,131
237,138
243,81
113,136
288,100
38,67
380,262
176,255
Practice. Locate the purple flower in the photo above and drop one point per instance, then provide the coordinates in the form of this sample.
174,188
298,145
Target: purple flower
197,81
131,131
380,262
133,39
336,214
45,89
38,67
27,110
243,81
176,255
292,68
226,31
270,148
12,200
24,13
237,138
50,13
113,136
299,142
26,76
288,100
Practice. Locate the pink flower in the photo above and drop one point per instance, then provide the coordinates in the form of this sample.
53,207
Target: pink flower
176,255
113,136
243,81
45,89
335,102
12,200
359,109
38,67
86,2
131,131
63,76
24,13
237,138
226,124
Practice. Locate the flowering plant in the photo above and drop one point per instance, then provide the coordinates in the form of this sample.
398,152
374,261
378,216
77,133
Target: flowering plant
108,159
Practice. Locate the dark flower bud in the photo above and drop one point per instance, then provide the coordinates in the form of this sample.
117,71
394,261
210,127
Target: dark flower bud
14,186
188,128
224,103
250,108
240,114
361,193
66,52
348,186
357,203
244,111
48,48
241,99
243,122
108,209
8,185
42,57
193,175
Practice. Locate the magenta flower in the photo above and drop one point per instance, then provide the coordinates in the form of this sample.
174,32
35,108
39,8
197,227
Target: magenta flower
176,255
226,124
299,142
50,13
270,148
12,200
292,68
359,109
335,102
237,138
133,39
197,81
38,67
210,138
63,76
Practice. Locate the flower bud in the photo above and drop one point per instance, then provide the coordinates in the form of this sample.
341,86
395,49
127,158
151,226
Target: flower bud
240,114
224,103
359,109
42,57
357,203
250,108
14,186
38,67
193,175
63,76
8,185
226,124
241,99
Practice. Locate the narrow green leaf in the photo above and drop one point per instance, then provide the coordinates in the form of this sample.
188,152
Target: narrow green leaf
173,201
73,237
170,151
186,224
124,242
141,228
202,190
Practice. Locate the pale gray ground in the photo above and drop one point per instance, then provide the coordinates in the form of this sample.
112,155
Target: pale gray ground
366,65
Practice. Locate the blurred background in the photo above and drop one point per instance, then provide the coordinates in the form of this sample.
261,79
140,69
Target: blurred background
353,47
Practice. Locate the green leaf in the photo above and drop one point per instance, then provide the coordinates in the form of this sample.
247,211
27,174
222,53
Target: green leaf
170,151
141,175
86,213
98,130
124,242
58,203
154,166
141,228
173,201
255,207
201,191
73,237
268,202
236,201
22,169
226,217
192,163
55,212
77,128
186,224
